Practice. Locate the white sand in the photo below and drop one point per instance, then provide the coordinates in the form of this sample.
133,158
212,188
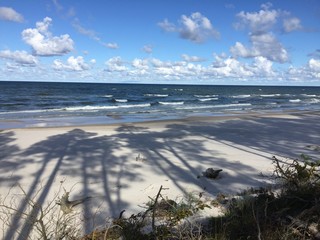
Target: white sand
100,161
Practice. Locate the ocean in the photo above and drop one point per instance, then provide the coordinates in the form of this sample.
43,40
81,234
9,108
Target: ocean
38,104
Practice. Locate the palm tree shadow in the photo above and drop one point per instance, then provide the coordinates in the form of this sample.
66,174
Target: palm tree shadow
80,155
8,163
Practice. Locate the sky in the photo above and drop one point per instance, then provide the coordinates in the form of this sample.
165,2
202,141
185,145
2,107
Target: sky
236,42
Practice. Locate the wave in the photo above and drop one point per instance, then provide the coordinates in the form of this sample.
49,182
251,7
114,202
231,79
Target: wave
242,96
31,111
216,106
108,96
294,100
121,100
92,108
207,99
313,100
171,103
233,105
270,95
155,95
309,95
205,96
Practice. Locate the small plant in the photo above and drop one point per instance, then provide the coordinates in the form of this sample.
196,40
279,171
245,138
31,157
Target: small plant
35,220
293,213
298,174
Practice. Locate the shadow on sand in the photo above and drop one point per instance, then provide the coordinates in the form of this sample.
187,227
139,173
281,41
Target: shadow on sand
101,159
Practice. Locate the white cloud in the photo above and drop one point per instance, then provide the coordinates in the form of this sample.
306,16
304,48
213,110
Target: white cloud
229,67
291,24
10,14
265,45
42,41
147,48
176,70
112,45
196,28
262,67
261,21
140,63
19,57
188,58
262,25
167,26
72,64
314,65
266,5
115,64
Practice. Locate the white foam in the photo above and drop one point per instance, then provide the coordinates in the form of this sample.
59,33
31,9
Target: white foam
171,103
294,100
242,96
156,95
309,95
314,100
205,96
270,95
207,99
216,106
90,108
121,100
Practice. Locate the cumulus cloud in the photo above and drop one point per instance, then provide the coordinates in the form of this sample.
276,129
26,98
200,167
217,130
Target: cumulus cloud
314,65
19,57
309,72
115,64
176,70
196,28
188,58
265,45
262,25
229,67
257,22
262,67
167,26
9,14
291,24
140,63
42,41
72,64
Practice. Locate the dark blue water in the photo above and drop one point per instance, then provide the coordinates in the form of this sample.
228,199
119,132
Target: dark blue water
26,101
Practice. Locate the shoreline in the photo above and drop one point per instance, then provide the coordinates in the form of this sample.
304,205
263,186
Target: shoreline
100,161
84,121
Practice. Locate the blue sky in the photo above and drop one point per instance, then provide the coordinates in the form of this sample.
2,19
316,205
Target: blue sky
168,41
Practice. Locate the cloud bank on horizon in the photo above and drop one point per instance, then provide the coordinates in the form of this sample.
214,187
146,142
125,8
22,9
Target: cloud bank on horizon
209,43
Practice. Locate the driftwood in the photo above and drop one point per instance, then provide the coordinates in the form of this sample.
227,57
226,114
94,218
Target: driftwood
66,206
212,173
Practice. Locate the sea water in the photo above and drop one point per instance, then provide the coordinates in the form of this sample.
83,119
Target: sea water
56,104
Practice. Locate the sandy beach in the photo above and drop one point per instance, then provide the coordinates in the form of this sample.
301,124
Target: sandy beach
120,166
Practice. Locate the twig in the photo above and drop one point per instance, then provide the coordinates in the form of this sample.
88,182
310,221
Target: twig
256,218
154,208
